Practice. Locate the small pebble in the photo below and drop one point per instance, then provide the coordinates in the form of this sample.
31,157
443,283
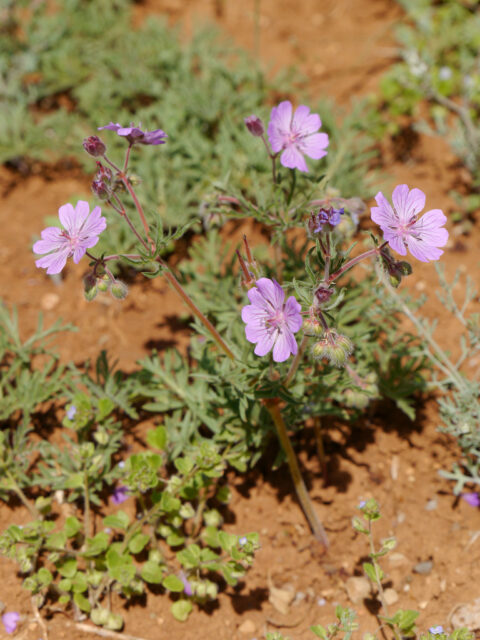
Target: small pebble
424,568
431,505
49,301
321,602
247,626
391,596
358,588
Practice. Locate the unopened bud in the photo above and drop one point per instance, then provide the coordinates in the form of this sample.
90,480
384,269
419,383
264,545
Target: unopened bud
90,286
312,327
322,294
94,146
118,289
102,283
335,347
100,189
255,126
355,399
404,267
394,280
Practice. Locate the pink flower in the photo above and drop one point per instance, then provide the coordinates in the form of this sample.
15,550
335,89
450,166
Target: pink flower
135,135
10,621
296,135
403,229
270,321
471,498
81,231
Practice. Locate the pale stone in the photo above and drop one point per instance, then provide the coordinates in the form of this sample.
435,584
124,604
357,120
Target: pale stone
49,301
390,595
397,559
247,626
358,588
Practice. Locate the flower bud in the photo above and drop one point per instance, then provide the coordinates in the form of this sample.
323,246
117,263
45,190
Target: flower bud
312,327
90,286
322,294
100,189
404,267
335,347
118,289
94,146
394,280
255,126
102,283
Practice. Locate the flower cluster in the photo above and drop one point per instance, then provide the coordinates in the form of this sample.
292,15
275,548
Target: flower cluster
324,218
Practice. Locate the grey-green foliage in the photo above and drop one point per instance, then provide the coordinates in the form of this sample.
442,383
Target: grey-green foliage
29,370
211,397
65,73
456,379
439,44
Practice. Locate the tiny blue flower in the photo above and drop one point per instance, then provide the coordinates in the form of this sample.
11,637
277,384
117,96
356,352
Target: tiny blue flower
121,464
242,541
361,504
71,411
436,630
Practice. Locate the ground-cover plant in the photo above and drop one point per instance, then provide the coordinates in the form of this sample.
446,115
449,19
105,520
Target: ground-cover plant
401,624
439,66
271,319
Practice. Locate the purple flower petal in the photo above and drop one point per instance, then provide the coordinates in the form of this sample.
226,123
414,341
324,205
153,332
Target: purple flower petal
119,495
402,228
473,499
135,135
270,321
10,621
296,136
81,231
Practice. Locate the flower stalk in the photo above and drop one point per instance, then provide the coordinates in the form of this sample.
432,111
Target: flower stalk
316,526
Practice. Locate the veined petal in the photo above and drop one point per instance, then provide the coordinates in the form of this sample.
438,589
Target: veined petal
292,314
285,345
305,122
293,159
53,262
407,203
314,146
281,116
79,252
423,251
270,290
383,215
265,343
67,216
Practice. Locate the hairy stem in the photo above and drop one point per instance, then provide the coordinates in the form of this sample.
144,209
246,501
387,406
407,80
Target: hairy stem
195,310
302,493
296,362
16,489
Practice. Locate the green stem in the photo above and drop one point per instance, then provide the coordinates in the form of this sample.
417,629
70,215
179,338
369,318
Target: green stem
300,488
16,489
348,265
195,310
86,520
296,362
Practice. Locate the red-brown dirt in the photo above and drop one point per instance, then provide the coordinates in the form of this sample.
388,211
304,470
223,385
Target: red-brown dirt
343,46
